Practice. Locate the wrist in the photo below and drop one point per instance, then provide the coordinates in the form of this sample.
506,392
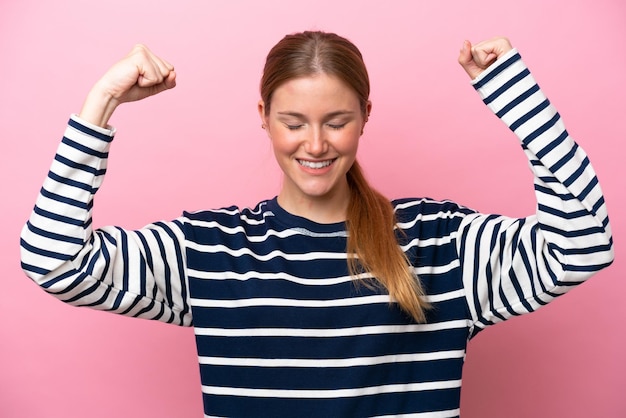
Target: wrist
98,107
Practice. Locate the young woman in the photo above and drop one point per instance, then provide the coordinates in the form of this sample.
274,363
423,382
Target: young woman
327,300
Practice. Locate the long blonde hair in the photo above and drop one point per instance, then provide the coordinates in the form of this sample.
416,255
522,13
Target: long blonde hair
372,243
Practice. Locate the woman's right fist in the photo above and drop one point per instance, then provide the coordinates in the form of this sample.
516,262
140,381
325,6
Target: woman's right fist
138,75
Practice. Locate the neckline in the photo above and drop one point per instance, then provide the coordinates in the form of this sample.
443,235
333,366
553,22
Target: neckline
294,221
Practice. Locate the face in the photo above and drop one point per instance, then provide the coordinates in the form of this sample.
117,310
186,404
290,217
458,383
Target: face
314,124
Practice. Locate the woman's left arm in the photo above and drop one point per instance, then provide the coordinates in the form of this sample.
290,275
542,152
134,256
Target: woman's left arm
514,266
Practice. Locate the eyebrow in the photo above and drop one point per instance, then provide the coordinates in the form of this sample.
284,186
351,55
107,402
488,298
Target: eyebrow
328,115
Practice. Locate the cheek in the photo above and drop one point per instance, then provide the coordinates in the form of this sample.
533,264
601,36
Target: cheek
282,143
281,157
348,141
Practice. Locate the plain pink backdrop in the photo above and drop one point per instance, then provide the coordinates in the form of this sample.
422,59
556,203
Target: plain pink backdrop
201,146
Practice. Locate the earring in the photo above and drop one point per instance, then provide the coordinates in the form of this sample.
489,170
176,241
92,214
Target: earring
263,126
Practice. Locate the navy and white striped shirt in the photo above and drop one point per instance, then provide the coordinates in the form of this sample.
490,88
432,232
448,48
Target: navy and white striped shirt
281,327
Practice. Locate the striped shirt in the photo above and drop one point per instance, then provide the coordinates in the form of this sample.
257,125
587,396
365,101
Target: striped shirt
281,328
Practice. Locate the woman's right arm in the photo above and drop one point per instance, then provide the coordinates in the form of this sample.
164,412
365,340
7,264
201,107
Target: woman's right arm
134,273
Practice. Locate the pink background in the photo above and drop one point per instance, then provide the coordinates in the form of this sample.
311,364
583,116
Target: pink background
201,146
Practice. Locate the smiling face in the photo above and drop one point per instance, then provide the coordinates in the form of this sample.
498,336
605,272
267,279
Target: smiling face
314,124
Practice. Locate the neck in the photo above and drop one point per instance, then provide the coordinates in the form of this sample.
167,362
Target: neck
324,210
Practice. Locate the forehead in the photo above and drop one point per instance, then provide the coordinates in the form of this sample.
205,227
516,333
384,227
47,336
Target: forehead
316,93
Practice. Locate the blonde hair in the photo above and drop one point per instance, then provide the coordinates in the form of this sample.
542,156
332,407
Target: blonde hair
372,243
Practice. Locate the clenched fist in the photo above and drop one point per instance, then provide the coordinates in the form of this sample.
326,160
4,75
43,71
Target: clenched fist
138,75
475,59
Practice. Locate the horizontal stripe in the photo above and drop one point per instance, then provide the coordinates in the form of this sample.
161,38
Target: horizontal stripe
332,332
64,200
54,236
89,132
287,233
266,257
240,303
429,217
70,182
329,363
337,393
435,242
77,166
230,275
57,217
44,252
436,269
82,148
433,298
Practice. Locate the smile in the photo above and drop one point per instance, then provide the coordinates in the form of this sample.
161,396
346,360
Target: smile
315,164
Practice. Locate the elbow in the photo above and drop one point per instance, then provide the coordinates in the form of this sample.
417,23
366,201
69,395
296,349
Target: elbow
32,264
611,255
38,261
600,245
604,254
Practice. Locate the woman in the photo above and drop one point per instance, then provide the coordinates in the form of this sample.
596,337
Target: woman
327,300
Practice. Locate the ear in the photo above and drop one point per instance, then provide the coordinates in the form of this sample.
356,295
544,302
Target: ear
368,111
264,118
366,117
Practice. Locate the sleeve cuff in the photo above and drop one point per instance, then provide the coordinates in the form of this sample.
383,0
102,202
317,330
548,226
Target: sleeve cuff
109,131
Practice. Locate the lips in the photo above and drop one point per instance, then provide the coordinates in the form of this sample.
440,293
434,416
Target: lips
315,164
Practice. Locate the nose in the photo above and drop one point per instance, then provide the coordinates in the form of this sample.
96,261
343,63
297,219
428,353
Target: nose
316,144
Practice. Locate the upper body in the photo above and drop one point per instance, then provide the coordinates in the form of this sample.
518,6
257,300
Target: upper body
282,325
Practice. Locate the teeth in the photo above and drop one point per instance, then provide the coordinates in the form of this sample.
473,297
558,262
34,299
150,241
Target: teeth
312,164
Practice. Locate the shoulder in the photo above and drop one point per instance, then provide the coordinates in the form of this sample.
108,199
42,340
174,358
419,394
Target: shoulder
230,215
425,206
429,216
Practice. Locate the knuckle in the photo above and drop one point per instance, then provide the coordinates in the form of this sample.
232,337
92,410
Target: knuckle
141,50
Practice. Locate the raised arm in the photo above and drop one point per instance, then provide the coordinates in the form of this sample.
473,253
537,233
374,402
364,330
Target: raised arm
134,273
513,266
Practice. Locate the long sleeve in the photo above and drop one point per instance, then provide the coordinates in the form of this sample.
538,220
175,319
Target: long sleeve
513,266
134,273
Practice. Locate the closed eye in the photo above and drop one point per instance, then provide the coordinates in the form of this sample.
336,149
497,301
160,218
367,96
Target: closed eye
336,126
293,127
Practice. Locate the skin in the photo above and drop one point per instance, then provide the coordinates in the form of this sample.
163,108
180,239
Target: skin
312,120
